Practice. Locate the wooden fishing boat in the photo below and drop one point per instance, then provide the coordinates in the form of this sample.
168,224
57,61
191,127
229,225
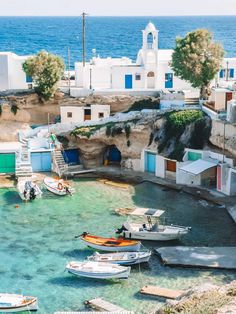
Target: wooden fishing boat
28,190
58,186
98,270
151,230
123,258
11,303
110,244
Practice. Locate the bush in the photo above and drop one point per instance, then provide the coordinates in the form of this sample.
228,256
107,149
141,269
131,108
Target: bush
116,130
127,130
145,104
180,119
14,109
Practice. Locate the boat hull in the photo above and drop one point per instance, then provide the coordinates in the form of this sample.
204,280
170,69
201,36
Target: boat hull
29,304
127,248
120,275
52,187
21,189
98,270
155,236
138,257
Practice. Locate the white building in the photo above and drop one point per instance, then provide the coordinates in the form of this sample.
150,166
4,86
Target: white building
150,72
12,76
76,114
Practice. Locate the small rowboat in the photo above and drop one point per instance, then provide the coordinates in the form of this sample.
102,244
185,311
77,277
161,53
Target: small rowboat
11,303
28,190
110,244
58,187
98,270
123,258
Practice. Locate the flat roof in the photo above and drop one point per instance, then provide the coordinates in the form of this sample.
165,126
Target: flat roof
10,146
140,211
198,166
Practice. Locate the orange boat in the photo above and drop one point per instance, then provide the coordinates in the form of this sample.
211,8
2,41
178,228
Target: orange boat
110,244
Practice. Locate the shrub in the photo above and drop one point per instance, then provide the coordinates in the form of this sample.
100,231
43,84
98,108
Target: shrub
127,130
116,130
145,104
14,109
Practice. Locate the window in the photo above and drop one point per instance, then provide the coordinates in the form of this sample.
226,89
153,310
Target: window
29,79
231,73
138,77
222,73
101,115
69,114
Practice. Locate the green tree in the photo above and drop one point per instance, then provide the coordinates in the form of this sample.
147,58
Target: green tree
197,59
46,70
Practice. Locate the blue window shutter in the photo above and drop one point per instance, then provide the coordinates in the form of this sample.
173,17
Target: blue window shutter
29,79
222,73
231,73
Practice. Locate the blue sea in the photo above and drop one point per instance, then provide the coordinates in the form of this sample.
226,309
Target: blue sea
37,240
110,36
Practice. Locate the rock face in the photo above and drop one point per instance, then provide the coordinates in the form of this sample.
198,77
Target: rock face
206,298
93,150
223,135
117,103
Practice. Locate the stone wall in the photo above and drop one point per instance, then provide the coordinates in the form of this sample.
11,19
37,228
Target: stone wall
224,132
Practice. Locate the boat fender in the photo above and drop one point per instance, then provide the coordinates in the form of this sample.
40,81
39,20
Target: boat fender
60,186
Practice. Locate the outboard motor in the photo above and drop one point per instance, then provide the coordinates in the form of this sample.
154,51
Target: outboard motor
32,194
120,230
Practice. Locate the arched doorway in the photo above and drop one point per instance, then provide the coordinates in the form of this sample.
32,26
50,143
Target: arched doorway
112,156
151,80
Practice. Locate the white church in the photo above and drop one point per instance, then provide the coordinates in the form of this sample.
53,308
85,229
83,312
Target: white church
150,72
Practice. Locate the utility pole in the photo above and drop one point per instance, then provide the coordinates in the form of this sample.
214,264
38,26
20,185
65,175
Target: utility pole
84,47
68,54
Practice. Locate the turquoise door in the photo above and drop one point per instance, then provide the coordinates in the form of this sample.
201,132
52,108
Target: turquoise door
128,81
150,162
41,162
169,80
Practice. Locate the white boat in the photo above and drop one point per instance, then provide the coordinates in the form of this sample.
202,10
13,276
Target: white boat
149,230
28,190
58,186
124,258
11,303
98,270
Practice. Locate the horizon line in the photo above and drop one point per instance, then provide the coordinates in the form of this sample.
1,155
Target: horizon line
153,16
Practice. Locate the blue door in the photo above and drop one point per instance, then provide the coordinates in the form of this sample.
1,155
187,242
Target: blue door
41,162
71,156
128,81
150,162
114,154
169,80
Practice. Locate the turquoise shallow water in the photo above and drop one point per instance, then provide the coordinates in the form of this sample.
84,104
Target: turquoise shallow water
38,239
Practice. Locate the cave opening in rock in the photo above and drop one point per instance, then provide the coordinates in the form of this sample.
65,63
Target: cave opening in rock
112,156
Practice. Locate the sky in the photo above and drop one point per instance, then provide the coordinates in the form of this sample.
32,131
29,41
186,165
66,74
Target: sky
116,7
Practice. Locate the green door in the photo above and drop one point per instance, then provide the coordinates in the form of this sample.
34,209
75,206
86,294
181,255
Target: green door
7,163
194,156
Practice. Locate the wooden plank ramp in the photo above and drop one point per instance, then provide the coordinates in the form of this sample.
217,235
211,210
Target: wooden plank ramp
102,305
161,292
209,257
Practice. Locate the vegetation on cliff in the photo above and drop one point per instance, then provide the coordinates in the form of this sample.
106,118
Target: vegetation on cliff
145,104
185,128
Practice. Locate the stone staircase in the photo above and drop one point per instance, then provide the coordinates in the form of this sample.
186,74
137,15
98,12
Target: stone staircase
23,168
191,101
59,164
